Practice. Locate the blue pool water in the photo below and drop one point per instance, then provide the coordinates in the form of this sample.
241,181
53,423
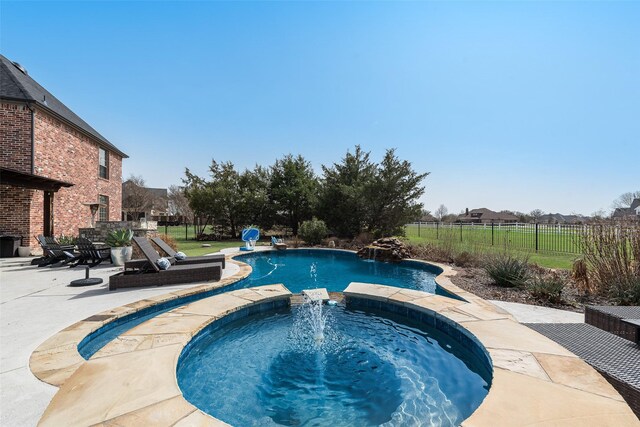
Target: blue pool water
297,270
334,270
370,369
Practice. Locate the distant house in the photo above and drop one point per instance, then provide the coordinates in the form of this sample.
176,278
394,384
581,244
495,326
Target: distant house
632,212
558,218
56,171
143,202
486,216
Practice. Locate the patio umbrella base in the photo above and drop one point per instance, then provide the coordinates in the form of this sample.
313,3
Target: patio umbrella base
86,282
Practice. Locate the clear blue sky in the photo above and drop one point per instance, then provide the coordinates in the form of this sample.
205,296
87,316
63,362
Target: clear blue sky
509,105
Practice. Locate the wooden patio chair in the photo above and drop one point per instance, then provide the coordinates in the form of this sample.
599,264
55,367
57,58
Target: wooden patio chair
55,254
90,254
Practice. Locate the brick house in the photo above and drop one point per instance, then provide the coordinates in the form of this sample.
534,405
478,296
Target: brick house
53,165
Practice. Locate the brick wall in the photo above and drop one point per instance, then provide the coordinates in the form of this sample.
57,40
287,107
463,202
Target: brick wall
14,211
15,136
65,154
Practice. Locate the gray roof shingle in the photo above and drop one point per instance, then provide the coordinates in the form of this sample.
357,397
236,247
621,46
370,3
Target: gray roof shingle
16,85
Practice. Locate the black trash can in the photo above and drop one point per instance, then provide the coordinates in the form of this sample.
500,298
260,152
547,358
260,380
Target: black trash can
9,244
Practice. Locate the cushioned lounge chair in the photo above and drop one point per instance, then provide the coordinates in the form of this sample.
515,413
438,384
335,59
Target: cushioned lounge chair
55,254
217,257
152,275
279,244
90,254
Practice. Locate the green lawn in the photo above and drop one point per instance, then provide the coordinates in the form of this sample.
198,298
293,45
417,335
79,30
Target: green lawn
550,238
194,247
549,259
476,242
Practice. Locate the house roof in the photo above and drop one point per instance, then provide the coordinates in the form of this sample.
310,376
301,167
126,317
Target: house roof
17,85
487,214
635,203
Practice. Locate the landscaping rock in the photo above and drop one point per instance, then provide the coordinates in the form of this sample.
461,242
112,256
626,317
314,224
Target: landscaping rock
387,249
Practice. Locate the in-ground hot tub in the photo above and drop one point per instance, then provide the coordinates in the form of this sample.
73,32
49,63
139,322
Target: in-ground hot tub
313,365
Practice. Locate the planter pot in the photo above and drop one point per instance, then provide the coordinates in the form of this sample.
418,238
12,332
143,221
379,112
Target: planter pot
24,251
121,255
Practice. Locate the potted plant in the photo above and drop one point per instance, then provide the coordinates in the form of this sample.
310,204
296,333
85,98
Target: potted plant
120,243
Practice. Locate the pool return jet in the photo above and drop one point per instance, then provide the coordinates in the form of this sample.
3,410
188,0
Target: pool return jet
250,236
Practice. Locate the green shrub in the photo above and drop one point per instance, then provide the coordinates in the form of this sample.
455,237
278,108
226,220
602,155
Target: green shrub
547,288
313,231
507,271
66,240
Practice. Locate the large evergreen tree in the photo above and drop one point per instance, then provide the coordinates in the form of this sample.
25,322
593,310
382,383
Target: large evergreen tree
343,204
293,190
392,196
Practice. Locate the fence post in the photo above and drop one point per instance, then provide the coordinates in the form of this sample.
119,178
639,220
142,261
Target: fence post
418,228
186,231
536,237
460,232
437,229
491,233
166,229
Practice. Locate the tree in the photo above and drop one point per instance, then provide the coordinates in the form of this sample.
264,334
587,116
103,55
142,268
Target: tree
441,212
342,202
179,203
392,195
255,206
137,200
225,186
201,199
536,214
625,200
293,190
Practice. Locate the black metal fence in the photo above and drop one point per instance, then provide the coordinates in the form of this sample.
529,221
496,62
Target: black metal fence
560,238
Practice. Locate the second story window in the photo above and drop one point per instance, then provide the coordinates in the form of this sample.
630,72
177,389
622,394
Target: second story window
103,168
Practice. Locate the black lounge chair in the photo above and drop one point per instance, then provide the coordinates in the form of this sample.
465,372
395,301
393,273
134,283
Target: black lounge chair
152,275
55,254
90,254
217,257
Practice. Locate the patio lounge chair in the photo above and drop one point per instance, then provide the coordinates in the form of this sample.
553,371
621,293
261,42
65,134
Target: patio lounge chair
279,244
55,254
217,257
90,254
152,275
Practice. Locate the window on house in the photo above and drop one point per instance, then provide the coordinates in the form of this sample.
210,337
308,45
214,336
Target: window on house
103,169
103,212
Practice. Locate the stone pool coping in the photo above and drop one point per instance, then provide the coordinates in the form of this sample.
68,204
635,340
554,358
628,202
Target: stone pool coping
56,359
132,380
535,380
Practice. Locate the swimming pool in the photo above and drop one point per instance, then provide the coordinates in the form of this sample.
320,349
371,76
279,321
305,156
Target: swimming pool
297,269
319,268
370,368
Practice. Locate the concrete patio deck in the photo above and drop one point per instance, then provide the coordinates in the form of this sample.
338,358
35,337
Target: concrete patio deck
36,303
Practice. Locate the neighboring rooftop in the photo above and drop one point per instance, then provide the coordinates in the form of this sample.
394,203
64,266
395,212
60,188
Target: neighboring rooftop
631,211
17,85
484,214
558,218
